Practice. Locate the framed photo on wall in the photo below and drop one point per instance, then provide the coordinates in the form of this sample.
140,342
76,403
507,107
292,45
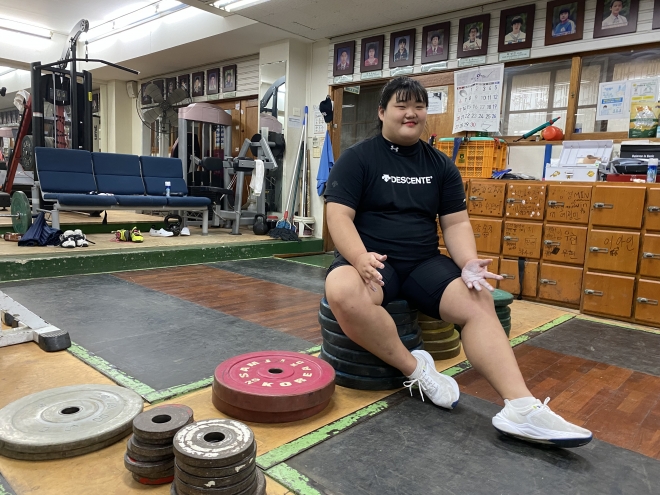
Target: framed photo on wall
146,99
198,83
212,81
344,57
473,36
96,107
184,83
516,28
656,15
435,42
229,78
160,84
170,86
372,53
615,17
402,48
564,21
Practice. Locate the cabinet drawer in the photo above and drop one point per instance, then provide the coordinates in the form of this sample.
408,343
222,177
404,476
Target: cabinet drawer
487,234
445,252
647,304
652,213
618,206
441,238
486,198
608,294
494,267
565,243
650,264
525,201
613,251
560,283
522,239
511,281
568,204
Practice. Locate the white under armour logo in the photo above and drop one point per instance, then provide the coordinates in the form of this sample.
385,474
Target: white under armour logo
386,177
394,148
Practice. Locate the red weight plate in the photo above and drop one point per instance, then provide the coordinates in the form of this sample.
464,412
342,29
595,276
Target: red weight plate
265,416
153,481
274,381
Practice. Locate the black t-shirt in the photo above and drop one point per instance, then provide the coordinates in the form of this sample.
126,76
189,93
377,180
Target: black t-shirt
396,192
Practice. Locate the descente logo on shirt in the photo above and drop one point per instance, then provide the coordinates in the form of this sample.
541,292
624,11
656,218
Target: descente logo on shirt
407,180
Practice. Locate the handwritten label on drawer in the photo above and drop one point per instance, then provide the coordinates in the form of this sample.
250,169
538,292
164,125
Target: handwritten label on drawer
569,204
525,201
522,239
564,243
486,198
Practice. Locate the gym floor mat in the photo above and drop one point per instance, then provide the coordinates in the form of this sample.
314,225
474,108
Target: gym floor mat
280,271
618,346
322,260
414,447
158,339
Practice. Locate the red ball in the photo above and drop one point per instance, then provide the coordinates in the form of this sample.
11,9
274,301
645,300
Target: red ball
552,133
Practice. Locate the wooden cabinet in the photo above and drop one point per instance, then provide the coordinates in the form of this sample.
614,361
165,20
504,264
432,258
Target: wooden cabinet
614,251
522,239
525,201
649,266
564,243
568,204
511,282
560,283
618,206
647,308
608,294
444,251
487,234
652,213
441,238
494,267
486,198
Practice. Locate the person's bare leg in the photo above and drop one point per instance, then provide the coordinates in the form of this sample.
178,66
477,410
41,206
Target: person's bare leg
359,313
485,343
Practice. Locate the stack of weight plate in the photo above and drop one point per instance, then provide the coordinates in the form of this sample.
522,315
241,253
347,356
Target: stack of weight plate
441,339
272,386
502,300
354,366
67,421
216,457
149,456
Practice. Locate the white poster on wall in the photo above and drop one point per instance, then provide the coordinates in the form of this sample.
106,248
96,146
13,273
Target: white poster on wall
643,90
613,100
437,99
478,98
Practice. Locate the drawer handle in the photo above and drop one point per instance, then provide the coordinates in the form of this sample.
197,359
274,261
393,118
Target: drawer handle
651,255
595,249
509,238
591,292
555,203
653,209
551,243
514,200
476,198
477,235
548,282
507,276
643,300
603,206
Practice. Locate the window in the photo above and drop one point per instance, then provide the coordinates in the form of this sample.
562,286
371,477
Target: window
359,114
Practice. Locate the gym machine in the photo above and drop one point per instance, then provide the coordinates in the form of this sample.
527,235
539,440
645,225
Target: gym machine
210,116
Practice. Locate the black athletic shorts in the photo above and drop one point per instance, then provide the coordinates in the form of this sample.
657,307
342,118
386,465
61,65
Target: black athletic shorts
421,283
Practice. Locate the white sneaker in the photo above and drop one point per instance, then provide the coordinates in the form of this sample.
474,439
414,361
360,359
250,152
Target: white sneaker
185,231
67,239
535,422
79,237
441,389
160,233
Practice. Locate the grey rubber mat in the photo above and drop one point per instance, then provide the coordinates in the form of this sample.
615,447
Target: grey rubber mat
415,448
160,340
279,271
617,346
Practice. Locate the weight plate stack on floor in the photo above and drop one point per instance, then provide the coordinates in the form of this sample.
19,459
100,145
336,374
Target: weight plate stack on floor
441,339
67,421
273,386
216,456
502,300
354,366
149,455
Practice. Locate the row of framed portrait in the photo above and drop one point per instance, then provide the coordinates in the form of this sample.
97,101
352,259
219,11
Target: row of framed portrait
564,22
211,82
11,117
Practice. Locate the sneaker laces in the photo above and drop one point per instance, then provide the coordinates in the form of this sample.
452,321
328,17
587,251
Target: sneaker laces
423,382
536,409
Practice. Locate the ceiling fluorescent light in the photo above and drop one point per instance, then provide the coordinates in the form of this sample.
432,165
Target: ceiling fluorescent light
20,27
232,5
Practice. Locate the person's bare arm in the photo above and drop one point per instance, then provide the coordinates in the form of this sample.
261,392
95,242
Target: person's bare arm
348,243
459,239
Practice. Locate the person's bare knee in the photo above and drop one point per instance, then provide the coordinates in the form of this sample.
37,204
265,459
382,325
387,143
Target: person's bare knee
461,305
346,291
